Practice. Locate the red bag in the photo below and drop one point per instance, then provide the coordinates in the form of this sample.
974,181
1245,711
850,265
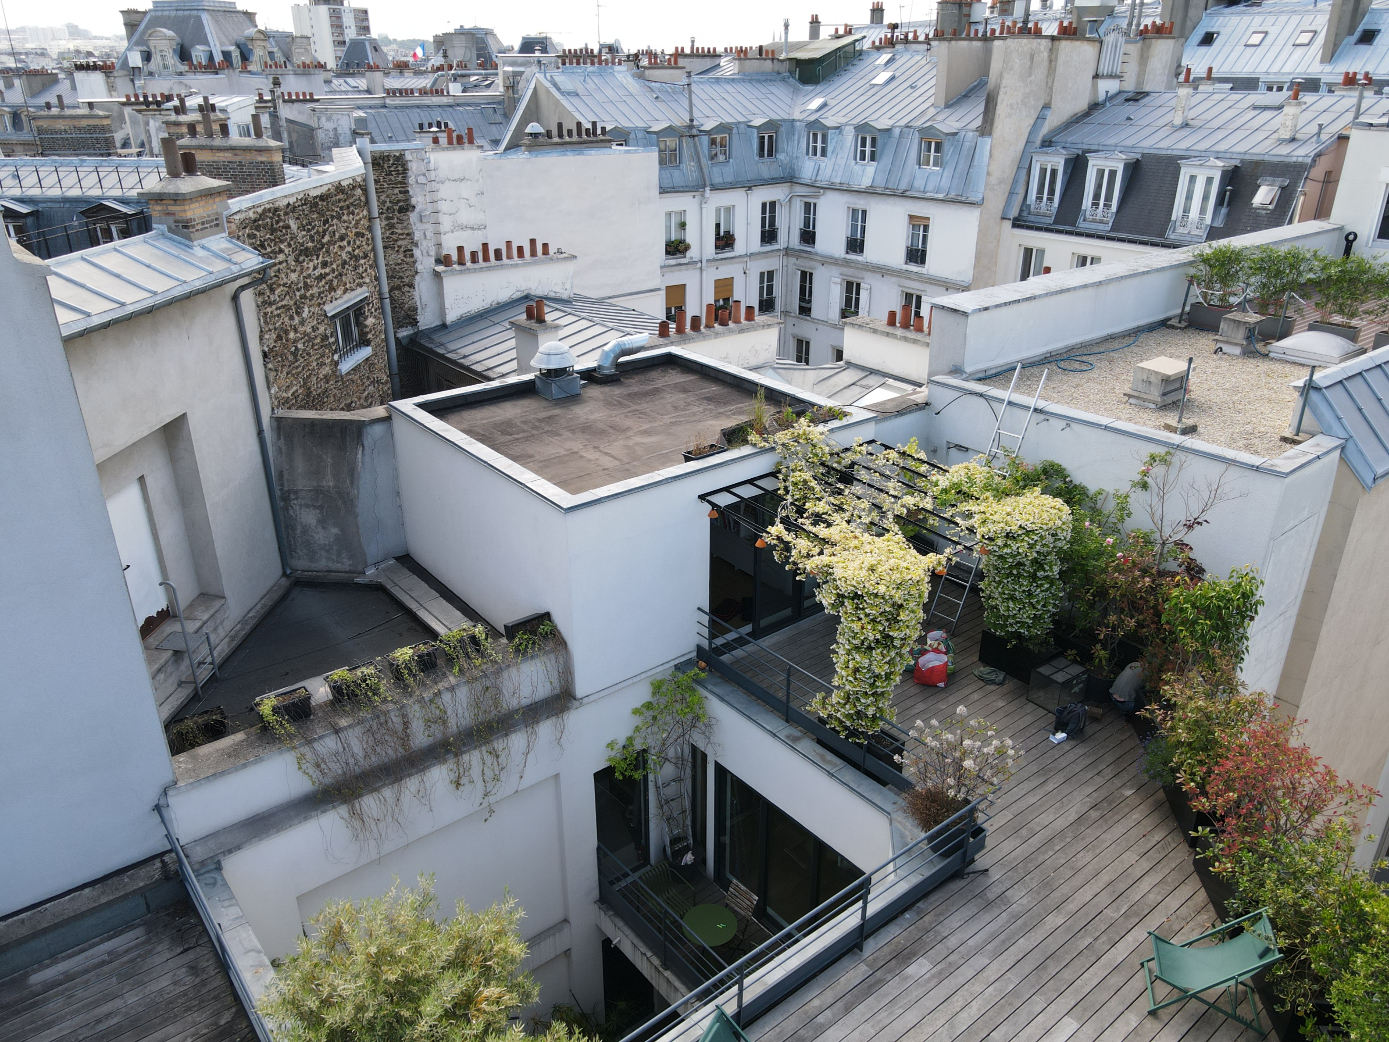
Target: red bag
934,675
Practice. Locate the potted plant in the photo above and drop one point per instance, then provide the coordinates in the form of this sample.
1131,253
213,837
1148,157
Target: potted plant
700,448
1275,272
410,664
951,764
466,644
197,729
289,705
1344,285
1219,272
361,683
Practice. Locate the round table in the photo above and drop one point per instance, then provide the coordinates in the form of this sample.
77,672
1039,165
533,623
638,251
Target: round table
712,924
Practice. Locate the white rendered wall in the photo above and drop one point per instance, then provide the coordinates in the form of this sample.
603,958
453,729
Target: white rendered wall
182,365
477,287
84,758
1272,519
1360,196
1061,251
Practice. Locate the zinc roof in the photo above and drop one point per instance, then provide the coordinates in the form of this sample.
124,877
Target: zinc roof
1278,56
1351,401
79,177
486,344
94,288
394,125
1226,123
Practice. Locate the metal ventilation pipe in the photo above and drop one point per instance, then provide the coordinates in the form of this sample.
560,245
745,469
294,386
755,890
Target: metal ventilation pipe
618,348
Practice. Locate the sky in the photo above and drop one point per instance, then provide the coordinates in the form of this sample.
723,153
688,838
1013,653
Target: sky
636,23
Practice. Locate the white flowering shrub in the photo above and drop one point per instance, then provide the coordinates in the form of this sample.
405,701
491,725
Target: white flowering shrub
963,757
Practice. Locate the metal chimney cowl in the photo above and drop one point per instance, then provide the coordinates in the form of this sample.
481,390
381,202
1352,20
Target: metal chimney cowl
555,377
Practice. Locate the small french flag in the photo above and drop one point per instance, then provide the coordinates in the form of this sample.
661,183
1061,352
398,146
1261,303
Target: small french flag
418,53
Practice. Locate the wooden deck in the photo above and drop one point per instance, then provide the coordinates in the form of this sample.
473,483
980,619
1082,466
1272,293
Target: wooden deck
1083,858
156,980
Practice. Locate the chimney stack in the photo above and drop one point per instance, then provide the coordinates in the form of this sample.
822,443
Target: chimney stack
814,27
531,334
1292,111
875,13
1183,103
189,205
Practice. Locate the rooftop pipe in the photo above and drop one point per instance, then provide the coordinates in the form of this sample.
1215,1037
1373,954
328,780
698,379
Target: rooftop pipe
619,348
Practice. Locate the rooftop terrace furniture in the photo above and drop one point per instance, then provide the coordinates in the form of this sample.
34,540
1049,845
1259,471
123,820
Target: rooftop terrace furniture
1228,964
663,881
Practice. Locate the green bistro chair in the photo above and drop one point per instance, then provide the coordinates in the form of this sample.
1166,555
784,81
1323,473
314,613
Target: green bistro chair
722,1029
1228,964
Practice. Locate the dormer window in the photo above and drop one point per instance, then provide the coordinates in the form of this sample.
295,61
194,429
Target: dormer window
766,145
1046,187
1195,202
668,151
1102,193
718,148
867,148
815,144
932,152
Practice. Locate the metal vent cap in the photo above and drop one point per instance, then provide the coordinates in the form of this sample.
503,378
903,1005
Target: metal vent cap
554,357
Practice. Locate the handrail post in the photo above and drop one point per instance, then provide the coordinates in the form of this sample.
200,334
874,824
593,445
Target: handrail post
788,694
863,914
738,1019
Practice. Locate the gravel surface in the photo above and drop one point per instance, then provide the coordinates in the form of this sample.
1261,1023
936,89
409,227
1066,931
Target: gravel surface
1239,402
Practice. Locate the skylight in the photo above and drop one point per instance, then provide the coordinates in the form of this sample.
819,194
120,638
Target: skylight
1255,38
1366,37
883,59
815,104
1304,37
882,78
1208,38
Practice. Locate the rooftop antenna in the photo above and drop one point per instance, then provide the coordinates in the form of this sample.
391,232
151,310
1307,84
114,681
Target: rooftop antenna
598,23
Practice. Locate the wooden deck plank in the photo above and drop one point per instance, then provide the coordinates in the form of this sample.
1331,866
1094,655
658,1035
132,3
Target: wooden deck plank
156,979
1083,859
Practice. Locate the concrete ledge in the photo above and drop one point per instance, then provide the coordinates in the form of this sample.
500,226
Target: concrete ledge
630,945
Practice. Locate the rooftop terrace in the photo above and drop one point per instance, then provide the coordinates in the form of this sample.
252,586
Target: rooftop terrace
1083,858
610,432
1237,401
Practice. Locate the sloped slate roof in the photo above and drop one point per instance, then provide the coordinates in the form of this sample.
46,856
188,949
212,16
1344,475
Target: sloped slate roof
97,287
1351,401
485,343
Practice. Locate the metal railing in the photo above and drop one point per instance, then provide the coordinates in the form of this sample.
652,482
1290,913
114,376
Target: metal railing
766,305
1099,214
653,920
789,690
807,236
853,245
1189,224
916,254
776,968
724,245
770,236
804,306
1042,207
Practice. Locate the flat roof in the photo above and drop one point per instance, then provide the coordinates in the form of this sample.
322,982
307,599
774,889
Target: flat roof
612,431
1236,401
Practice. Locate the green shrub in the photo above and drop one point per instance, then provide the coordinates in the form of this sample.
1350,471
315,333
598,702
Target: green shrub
1201,717
1220,270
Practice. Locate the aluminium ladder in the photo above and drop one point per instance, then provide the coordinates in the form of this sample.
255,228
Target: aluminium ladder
959,576
191,646
996,442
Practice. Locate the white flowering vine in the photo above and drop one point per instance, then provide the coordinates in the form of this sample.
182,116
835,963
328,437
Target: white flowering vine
963,757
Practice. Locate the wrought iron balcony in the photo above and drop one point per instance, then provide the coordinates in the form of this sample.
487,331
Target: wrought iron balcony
766,305
804,308
916,255
1101,214
1190,225
770,236
1042,207
724,243
854,245
807,236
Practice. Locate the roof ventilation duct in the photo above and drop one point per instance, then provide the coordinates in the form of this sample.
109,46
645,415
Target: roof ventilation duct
555,377
607,360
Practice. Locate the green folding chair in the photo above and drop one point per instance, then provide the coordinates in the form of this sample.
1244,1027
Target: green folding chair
722,1029
1228,964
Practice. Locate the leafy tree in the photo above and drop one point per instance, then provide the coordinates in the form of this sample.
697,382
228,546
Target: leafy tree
384,969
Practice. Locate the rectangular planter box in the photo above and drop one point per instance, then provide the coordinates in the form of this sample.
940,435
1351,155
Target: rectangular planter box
1274,328
339,693
1018,661
1351,333
710,450
1199,316
198,729
292,705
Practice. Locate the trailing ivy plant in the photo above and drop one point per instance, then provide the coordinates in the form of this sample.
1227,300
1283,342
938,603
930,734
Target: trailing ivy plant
403,663
363,684
668,723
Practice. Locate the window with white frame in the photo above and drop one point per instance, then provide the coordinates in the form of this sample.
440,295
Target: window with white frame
1084,260
668,151
809,214
1195,202
350,333
718,148
816,147
866,150
858,231
932,153
919,231
675,227
802,351
806,294
1046,186
766,145
911,307
766,292
1101,192
853,294
770,230
723,229
1033,262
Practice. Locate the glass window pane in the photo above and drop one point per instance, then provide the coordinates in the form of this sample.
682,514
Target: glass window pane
742,819
790,868
620,805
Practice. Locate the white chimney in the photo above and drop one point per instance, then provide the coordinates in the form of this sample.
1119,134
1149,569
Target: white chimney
530,335
1292,109
1184,90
